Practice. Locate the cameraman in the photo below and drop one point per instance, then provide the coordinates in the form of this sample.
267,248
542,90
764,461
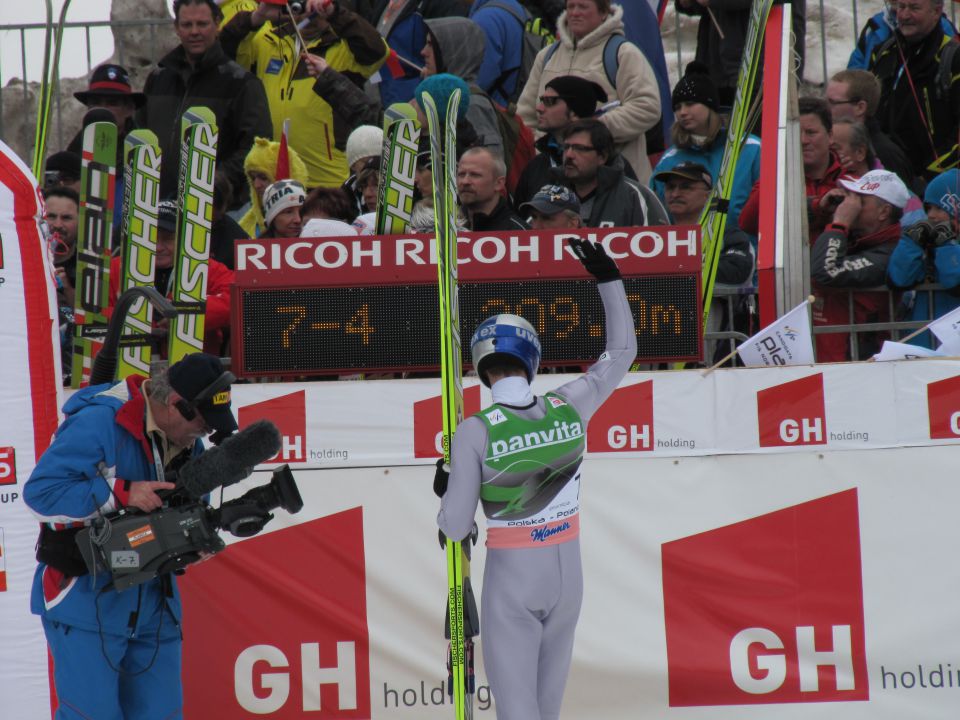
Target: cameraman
852,253
928,253
117,654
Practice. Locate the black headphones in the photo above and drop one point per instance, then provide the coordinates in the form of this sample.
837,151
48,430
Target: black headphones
188,408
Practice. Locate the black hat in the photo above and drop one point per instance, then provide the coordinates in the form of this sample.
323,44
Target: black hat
687,170
110,79
167,215
696,86
64,163
580,95
551,199
199,379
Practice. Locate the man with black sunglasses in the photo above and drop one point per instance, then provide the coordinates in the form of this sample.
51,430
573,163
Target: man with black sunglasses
565,100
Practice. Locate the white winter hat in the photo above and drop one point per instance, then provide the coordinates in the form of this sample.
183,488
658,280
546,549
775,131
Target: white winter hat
327,227
281,195
882,183
365,141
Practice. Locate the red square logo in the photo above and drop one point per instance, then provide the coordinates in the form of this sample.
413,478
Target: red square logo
943,405
289,414
8,466
428,422
277,625
624,423
792,413
768,610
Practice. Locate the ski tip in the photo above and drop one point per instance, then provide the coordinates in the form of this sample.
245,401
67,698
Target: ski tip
198,114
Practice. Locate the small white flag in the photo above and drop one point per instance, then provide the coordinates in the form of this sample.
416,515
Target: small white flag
903,351
947,329
788,341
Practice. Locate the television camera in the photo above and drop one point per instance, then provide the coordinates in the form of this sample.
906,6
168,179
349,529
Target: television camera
135,547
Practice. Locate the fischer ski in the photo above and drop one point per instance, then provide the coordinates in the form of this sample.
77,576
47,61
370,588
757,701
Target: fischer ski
398,167
714,219
94,231
139,246
198,161
461,622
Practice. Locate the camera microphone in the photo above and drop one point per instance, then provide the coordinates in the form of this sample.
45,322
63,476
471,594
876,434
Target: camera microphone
231,461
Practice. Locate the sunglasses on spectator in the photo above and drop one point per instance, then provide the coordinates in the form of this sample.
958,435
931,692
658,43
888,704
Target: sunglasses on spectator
550,100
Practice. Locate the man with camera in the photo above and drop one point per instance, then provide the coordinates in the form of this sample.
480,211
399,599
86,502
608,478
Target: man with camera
852,254
116,653
928,253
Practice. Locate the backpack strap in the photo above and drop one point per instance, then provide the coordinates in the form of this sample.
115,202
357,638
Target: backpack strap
611,58
550,52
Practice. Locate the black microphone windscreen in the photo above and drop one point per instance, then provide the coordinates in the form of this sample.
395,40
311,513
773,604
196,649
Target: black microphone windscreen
231,461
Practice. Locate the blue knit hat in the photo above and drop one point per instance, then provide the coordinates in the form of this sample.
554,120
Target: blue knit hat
441,87
944,192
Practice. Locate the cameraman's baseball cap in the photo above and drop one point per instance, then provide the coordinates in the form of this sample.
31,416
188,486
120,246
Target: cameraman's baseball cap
199,378
688,171
882,184
551,199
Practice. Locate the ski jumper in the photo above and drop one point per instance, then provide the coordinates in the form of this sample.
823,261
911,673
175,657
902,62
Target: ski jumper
116,655
523,464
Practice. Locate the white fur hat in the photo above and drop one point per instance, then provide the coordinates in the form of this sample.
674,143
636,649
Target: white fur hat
365,141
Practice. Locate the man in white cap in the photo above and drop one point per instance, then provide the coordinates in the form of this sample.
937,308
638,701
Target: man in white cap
853,252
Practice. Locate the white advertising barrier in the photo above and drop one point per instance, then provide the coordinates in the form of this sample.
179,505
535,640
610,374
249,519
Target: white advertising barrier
762,410
809,585
30,397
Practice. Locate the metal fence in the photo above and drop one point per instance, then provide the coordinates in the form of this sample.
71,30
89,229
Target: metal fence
88,38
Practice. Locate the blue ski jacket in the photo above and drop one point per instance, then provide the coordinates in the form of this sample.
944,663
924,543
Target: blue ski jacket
99,447
910,265
504,48
744,177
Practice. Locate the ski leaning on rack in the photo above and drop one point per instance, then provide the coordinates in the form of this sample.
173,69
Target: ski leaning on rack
95,224
398,166
198,162
461,621
138,234
714,220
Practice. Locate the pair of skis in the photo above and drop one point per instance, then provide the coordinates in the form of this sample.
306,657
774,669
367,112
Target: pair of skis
50,74
142,159
398,167
462,624
714,220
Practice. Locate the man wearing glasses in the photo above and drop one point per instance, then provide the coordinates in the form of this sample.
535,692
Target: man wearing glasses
607,197
565,99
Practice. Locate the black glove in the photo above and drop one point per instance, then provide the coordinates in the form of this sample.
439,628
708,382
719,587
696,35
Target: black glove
595,260
922,233
941,234
441,478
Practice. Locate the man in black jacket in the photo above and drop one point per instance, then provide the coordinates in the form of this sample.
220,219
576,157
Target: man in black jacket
199,73
565,99
919,101
607,197
481,180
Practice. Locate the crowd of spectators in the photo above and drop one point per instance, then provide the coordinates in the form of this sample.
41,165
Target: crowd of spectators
612,144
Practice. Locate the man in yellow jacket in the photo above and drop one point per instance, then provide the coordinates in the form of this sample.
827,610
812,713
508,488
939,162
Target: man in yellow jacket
321,105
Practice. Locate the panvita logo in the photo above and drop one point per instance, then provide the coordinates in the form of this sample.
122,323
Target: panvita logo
624,423
943,406
768,610
8,466
428,422
289,414
267,632
792,413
